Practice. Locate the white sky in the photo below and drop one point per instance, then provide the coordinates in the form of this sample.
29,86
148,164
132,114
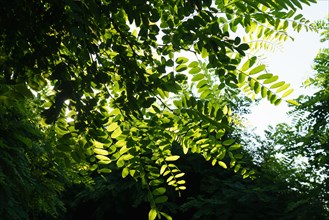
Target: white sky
293,64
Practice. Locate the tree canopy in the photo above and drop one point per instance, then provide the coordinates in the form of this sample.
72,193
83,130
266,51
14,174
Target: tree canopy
123,82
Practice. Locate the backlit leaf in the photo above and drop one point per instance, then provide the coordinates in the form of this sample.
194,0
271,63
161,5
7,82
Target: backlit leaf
181,68
101,151
152,214
284,87
116,133
293,102
257,69
172,158
181,60
222,164
287,93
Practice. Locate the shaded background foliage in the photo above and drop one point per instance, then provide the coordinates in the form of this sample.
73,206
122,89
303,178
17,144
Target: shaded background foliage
31,177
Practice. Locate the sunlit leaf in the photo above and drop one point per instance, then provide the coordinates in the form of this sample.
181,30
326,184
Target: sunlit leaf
181,60
181,68
100,151
284,87
116,133
172,158
125,172
287,93
152,214
222,164
293,102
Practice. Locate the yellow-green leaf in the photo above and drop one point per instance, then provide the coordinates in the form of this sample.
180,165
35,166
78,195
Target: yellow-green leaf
293,102
181,60
197,77
163,168
179,175
116,133
125,172
257,69
152,214
181,68
245,66
102,157
222,164
265,76
204,52
194,70
284,87
276,85
101,151
270,80
287,93
166,216
112,127
172,158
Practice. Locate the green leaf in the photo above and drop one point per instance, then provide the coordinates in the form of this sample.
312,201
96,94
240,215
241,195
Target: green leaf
152,214
257,69
287,93
181,68
284,87
100,151
193,64
194,70
241,77
234,147
263,91
120,163
237,167
172,158
204,52
102,157
222,164
161,199
277,102
257,87
116,133
166,216
228,142
276,85
265,76
225,110
293,102
112,126
159,191
125,172
270,80
201,83
245,66
197,77
105,170
163,168
179,175
181,60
